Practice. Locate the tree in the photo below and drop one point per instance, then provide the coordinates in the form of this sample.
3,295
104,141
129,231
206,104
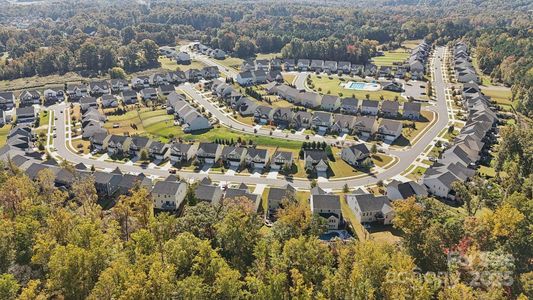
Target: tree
88,56
144,155
374,148
8,286
313,183
128,34
151,52
244,47
117,73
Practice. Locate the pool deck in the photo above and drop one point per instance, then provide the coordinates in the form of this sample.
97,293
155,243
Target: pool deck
362,86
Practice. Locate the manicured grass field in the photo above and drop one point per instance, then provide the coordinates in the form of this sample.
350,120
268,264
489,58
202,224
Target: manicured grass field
268,55
381,160
167,63
500,94
289,78
225,133
391,57
231,62
155,124
4,130
331,85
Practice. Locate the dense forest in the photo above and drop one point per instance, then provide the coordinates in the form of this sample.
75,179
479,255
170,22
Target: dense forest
55,244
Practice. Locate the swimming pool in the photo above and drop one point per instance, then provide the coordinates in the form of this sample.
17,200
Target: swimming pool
362,86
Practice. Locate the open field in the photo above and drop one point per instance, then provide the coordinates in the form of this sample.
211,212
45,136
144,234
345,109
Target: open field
411,44
289,78
391,57
268,55
4,130
231,62
167,63
331,85
41,83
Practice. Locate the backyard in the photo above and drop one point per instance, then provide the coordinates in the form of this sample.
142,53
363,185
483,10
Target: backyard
169,64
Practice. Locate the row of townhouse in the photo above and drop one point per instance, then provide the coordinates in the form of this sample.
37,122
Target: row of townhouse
464,70
366,125
386,108
418,60
459,161
189,118
92,122
206,50
252,77
30,98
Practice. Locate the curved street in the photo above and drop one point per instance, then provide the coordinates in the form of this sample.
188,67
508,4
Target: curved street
405,157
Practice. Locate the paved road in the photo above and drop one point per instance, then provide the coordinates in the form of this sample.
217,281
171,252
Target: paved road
299,80
406,157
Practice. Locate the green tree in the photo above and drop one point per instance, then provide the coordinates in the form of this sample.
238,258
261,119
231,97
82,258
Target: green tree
8,286
117,73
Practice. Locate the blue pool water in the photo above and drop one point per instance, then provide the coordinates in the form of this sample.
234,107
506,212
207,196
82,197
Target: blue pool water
357,85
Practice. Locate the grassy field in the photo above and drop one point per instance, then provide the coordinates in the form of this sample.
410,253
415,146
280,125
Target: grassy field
409,133
225,133
169,64
502,95
231,62
4,130
289,78
391,57
411,44
268,55
381,160
41,83
331,85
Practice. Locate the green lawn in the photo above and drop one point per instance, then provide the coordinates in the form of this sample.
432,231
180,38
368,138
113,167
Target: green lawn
231,62
381,160
169,64
331,85
487,171
500,94
268,55
4,131
225,133
411,44
391,57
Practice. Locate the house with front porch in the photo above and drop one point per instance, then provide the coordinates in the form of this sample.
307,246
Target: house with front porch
281,160
257,159
181,153
234,156
209,153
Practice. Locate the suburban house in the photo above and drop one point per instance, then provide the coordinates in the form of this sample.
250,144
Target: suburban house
106,183
281,160
168,195
209,72
119,85
303,64
262,64
349,106
207,192
88,102
322,121
275,64
138,145
129,97
190,119
439,178
330,103
289,64
263,114
355,154
99,142
183,58
397,190
130,181
257,158
193,75
176,77
308,99
357,70
330,66
344,66
148,94
109,101
390,109
76,91
28,98
328,206
369,208
182,153
342,124
166,89
98,88
118,144
365,126
276,197
389,130
25,115
7,100
411,110
283,116
158,151
392,86
242,192
316,160
218,54
370,70
317,65
140,82
385,71
302,119
158,79
245,106
370,107
233,156
208,153
53,95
